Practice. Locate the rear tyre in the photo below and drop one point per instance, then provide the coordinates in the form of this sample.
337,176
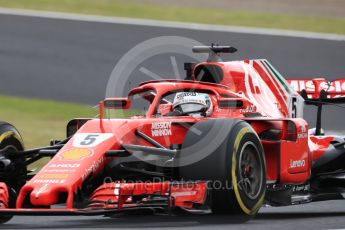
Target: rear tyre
13,173
235,168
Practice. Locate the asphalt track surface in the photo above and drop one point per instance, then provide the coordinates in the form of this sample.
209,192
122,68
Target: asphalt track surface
329,215
71,61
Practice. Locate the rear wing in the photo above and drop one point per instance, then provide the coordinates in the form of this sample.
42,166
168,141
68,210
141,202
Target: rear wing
319,89
319,92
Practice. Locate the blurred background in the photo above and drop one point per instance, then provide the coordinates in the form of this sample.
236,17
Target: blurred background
52,70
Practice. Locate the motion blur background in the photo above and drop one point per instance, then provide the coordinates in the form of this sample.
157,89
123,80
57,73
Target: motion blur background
52,70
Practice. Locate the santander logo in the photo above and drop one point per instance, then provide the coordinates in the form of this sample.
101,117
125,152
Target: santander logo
337,86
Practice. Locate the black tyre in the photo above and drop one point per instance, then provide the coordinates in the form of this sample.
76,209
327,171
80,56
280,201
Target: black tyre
235,167
13,174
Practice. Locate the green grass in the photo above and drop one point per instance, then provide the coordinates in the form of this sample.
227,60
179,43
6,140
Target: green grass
199,15
39,121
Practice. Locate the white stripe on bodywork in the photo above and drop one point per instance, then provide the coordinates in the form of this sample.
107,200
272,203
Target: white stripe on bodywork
269,74
246,83
265,100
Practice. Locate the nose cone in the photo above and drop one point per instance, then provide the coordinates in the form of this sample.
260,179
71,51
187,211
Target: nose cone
45,195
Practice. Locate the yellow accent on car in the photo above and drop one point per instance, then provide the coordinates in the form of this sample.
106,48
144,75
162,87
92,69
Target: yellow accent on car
244,208
10,133
75,154
54,176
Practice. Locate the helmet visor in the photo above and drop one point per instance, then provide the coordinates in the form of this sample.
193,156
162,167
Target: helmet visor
191,107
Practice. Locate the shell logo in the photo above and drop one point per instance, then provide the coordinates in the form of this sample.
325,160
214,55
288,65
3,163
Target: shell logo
75,154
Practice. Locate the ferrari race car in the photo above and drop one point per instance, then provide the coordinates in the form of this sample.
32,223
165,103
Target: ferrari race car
228,139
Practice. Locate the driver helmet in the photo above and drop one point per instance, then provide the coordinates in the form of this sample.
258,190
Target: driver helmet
192,103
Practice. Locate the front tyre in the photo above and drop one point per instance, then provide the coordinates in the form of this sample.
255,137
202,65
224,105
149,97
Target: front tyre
235,169
13,170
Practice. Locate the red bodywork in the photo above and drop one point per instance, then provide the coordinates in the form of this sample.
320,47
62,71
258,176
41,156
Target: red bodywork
265,101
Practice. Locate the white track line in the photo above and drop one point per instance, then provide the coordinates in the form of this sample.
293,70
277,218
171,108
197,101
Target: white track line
171,24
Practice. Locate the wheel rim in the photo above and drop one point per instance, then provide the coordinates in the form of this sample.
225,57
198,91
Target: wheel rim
250,171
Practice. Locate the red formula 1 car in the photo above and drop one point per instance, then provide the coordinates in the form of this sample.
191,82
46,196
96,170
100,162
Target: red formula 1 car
228,139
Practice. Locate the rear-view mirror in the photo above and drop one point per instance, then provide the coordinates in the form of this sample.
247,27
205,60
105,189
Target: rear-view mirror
117,103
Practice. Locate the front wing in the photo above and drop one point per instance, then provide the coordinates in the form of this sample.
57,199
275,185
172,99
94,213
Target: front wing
113,198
